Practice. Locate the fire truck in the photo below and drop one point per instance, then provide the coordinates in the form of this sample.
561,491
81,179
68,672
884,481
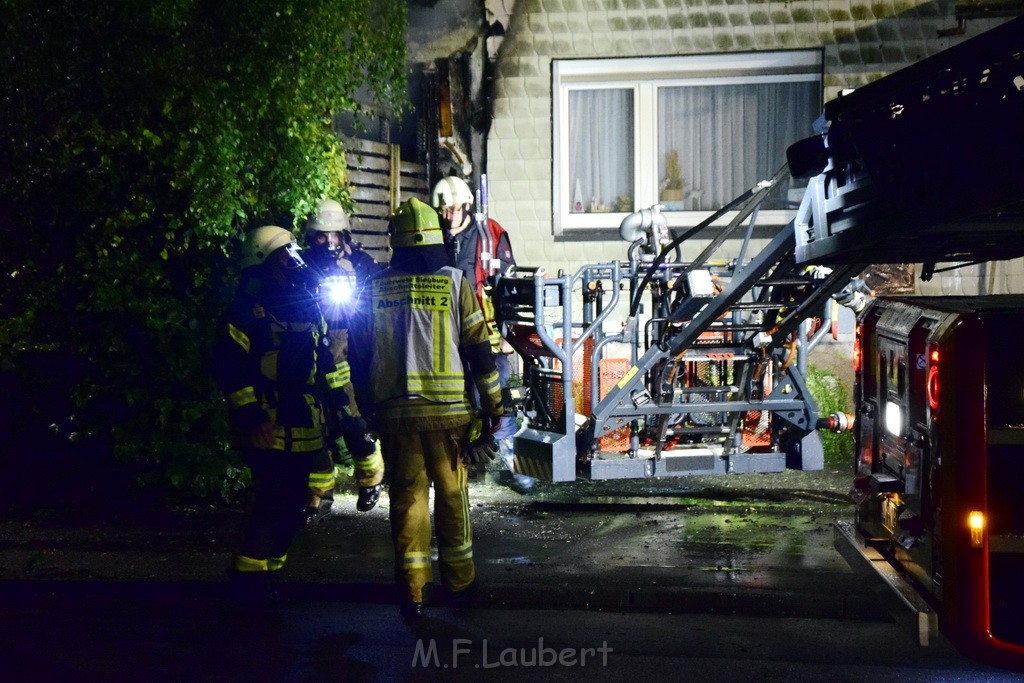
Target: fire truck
659,366
940,458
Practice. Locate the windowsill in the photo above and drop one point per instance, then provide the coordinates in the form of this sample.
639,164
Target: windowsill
605,225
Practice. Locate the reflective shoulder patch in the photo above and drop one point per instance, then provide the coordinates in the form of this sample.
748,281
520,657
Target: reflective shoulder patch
258,312
241,338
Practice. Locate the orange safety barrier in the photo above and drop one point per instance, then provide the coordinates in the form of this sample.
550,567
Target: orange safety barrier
610,371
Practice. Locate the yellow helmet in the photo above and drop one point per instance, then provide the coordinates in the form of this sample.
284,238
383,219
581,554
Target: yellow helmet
414,224
262,242
329,217
451,191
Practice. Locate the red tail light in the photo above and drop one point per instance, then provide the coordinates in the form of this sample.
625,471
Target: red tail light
856,349
933,378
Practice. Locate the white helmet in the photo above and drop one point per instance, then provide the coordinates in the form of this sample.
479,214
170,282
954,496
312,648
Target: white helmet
329,217
451,191
262,242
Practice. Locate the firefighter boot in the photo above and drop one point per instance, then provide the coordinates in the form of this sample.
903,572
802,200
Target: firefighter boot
368,497
253,590
321,490
315,515
411,611
464,597
414,610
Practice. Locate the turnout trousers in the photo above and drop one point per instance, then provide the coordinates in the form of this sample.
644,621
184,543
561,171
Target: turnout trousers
368,468
413,460
280,487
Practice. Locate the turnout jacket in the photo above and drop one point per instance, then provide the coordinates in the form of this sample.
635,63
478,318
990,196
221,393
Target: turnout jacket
466,249
273,362
422,335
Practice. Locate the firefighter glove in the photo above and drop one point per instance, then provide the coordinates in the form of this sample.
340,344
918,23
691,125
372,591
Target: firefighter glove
262,436
491,424
355,433
351,424
482,451
479,446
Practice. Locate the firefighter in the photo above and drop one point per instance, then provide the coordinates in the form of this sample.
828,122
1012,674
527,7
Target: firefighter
274,364
341,268
453,201
423,333
331,246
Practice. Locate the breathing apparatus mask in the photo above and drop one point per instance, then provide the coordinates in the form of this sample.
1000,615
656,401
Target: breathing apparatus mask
296,271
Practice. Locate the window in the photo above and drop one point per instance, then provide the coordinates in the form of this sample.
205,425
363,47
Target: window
690,133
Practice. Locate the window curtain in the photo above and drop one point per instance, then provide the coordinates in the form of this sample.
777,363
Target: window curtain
728,137
600,149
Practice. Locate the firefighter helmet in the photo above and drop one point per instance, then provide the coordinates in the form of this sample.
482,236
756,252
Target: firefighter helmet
414,224
451,191
329,217
262,242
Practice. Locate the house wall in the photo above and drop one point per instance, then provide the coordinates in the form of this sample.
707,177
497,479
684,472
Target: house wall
862,42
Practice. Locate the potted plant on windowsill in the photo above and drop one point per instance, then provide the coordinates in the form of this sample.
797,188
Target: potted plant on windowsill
672,186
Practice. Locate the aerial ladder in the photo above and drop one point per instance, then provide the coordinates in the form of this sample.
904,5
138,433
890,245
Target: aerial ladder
923,166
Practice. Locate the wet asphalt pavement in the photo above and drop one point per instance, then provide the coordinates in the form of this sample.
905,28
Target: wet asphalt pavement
728,578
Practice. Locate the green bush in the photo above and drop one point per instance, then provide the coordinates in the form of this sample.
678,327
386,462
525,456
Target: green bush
139,140
831,395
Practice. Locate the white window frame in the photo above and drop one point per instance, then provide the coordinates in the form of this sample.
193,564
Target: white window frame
644,76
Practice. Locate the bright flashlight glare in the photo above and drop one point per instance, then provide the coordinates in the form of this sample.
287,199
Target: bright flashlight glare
339,291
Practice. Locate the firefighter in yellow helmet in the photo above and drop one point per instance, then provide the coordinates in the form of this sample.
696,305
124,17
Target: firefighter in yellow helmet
423,335
273,362
340,269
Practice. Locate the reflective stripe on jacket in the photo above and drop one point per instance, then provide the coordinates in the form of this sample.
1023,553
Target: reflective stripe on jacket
274,364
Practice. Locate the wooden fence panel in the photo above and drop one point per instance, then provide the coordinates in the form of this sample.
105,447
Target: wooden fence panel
378,182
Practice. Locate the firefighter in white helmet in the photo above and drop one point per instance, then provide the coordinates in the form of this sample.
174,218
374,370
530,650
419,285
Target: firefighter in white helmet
424,334
468,243
341,268
330,244
274,364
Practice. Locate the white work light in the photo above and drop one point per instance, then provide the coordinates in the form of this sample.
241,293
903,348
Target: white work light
894,418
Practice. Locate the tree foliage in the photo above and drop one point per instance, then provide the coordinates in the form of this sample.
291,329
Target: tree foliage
139,140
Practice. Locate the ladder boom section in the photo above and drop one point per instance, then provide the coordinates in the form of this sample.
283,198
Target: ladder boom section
923,165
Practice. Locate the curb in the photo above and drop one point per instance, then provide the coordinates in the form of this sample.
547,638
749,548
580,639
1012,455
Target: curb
660,600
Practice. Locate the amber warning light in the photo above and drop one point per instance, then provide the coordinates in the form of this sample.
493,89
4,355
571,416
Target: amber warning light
976,523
